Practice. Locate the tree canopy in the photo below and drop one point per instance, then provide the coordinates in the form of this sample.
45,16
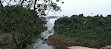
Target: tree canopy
42,7
22,23
92,31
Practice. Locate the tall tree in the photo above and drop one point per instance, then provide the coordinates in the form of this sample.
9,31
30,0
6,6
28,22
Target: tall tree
42,7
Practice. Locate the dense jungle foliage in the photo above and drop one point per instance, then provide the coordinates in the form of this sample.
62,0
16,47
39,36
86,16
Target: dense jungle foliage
91,31
20,24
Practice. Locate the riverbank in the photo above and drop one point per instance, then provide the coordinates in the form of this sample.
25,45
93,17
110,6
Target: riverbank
79,47
67,42
58,40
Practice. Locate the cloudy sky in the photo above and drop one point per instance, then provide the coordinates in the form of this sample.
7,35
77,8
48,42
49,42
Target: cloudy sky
86,7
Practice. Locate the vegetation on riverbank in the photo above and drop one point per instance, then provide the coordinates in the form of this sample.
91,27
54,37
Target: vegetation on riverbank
90,31
19,26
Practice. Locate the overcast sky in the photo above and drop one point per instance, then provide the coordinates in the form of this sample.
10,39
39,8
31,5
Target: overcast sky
85,7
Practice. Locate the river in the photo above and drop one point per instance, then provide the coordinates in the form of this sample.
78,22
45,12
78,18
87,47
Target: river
40,43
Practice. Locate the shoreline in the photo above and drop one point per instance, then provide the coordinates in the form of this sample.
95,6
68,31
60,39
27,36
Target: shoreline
67,45
72,44
79,47
56,41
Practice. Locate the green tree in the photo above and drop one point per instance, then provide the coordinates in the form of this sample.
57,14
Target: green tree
89,31
42,7
22,23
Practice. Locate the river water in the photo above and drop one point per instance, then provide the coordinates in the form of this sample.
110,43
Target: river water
40,43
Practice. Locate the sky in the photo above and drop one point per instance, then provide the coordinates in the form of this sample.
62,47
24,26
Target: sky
86,7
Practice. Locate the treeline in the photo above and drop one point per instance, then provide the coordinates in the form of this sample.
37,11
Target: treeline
21,24
91,31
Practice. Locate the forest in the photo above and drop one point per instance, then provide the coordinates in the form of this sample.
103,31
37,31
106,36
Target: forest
90,31
22,25
18,27
21,21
